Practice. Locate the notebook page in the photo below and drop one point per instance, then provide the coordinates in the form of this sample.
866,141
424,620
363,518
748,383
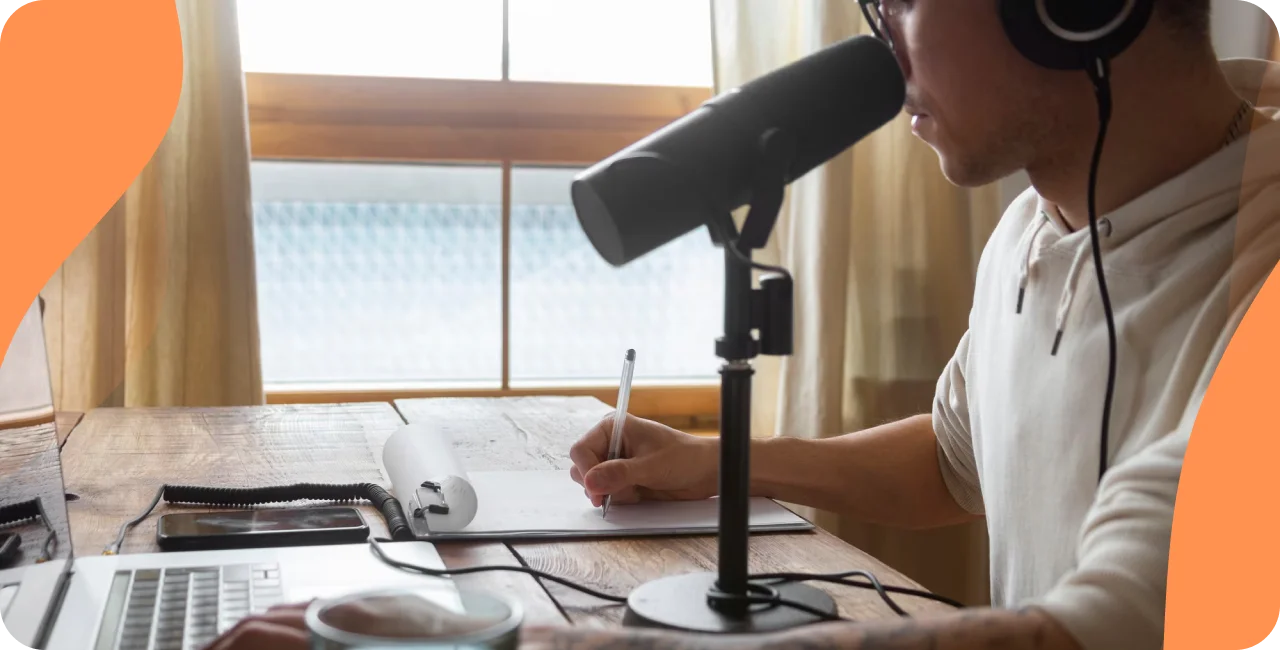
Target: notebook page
551,503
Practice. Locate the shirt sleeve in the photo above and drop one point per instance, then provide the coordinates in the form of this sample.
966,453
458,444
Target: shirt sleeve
951,426
1115,597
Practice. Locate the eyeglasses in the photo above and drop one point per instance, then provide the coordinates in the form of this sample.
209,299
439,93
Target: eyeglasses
872,10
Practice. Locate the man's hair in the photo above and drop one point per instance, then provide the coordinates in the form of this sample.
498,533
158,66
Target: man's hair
1189,17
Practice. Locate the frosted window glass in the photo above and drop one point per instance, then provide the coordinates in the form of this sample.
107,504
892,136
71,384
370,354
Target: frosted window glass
391,274
372,273
446,39
573,315
644,42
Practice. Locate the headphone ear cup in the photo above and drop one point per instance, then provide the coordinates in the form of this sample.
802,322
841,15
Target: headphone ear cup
1036,41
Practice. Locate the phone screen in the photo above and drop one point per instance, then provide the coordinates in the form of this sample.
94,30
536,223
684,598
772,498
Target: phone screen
248,522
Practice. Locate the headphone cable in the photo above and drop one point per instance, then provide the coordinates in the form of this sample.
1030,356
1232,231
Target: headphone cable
1100,75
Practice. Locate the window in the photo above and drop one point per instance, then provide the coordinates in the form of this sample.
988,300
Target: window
652,42
442,39
414,235
572,314
378,273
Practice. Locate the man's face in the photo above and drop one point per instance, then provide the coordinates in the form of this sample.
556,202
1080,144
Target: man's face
983,107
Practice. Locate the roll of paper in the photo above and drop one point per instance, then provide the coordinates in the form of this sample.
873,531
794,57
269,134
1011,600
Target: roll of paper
417,455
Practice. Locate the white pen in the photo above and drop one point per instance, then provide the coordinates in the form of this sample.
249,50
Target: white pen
620,415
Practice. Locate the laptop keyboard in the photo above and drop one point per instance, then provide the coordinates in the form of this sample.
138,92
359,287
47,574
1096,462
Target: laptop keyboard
184,608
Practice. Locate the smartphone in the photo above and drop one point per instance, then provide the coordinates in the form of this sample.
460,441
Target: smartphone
200,531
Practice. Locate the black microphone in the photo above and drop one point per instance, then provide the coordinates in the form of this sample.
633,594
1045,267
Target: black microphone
703,166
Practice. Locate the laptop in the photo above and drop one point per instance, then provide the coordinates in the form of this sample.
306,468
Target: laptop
160,601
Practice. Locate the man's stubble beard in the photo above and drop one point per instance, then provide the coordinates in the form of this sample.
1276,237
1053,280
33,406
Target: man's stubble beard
1006,150
1018,134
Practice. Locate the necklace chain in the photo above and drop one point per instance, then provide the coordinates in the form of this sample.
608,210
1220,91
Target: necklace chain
1237,124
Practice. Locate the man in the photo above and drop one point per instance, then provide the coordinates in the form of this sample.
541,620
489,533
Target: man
1189,234
1014,432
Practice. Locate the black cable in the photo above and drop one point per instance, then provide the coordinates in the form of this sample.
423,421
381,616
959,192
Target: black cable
813,611
732,245
114,547
375,544
906,591
386,504
50,545
1101,78
835,578
872,583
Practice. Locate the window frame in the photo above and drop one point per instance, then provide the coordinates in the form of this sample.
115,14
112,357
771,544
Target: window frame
319,118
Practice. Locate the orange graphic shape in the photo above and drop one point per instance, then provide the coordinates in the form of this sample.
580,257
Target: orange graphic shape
88,90
1223,560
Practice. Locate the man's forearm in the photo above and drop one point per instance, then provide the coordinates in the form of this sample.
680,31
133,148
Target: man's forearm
887,475
982,629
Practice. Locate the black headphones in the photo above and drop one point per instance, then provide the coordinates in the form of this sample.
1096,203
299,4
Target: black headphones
1073,34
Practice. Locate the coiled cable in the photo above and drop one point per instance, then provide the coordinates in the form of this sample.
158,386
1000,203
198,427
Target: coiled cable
387,505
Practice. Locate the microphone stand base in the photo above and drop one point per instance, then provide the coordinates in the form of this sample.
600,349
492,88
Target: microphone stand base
684,602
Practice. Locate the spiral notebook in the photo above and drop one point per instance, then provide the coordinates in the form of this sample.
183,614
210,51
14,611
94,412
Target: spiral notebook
446,502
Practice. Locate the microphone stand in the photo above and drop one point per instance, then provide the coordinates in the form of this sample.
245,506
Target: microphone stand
727,602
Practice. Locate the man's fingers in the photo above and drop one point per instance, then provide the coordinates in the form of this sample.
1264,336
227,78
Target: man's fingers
576,475
614,476
630,495
257,634
625,497
294,616
587,452
605,478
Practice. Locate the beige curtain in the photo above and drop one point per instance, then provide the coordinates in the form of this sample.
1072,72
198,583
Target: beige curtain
158,306
884,251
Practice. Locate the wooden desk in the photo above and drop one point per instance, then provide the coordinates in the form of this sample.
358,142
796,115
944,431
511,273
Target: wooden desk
29,470
116,459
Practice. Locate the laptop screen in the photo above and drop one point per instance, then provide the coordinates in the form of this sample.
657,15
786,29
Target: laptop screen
32,497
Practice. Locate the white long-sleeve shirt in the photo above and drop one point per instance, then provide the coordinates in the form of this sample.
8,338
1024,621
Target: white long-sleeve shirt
1018,426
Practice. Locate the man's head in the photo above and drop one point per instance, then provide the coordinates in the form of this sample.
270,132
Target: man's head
989,111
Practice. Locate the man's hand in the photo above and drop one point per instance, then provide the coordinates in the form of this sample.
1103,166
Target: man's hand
391,616
656,463
281,628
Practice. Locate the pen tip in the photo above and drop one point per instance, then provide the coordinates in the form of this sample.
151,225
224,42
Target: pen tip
631,355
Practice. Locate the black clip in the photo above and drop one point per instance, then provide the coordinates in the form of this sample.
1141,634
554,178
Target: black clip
438,508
